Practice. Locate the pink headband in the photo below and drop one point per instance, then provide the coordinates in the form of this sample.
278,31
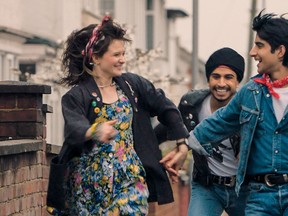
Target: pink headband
94,38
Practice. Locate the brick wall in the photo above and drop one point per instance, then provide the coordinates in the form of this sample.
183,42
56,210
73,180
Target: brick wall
22,114
23,182
23,157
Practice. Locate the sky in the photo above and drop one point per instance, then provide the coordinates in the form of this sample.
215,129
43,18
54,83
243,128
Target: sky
221,23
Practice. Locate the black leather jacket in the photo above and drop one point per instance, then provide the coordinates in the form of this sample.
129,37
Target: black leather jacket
147,102
189,106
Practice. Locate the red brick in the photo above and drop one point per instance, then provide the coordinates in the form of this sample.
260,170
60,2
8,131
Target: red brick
39,171
38,211
34,174
7,101
23,204
7,178
11,208
40,184
44,185
29,130
27,159
21,115
46,170
40,157
3,207
30,188
44,212
4,194
39,199
8,208
12,192
16,205
29,101
20,190
22,174
7,130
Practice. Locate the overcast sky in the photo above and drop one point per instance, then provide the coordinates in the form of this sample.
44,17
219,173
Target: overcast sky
221,23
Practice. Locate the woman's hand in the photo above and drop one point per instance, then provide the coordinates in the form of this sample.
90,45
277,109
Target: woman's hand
103,132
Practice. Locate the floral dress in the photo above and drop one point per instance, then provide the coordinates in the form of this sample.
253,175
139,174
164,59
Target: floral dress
110,179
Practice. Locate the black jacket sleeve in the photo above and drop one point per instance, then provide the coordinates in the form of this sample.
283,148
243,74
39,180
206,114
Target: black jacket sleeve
161,133
75,117
166,111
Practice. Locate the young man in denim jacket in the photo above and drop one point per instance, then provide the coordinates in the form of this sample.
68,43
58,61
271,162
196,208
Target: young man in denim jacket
260,112
213,178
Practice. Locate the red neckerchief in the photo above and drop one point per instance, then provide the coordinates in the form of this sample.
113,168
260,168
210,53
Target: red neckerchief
265,80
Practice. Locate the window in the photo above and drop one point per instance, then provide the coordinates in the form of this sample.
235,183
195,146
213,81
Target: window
107,7
149,32
26,68
149,5
149,24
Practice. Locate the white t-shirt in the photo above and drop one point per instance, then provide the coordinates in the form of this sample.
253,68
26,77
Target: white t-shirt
280,105
223,162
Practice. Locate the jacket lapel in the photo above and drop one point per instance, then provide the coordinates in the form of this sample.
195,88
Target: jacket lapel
129,91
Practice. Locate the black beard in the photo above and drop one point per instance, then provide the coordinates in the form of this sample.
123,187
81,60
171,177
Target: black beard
223,100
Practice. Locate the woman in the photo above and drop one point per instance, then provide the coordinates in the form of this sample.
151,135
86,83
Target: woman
110,147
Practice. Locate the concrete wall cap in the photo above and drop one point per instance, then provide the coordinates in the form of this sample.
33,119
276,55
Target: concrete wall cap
23,87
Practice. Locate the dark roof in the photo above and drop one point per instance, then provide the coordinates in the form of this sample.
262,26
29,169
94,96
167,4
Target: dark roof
176,13
30,38
39,40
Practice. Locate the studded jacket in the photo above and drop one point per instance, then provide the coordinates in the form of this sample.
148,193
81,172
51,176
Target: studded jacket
189,106
78,107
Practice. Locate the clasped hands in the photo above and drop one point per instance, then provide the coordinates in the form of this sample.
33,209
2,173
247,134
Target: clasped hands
174,160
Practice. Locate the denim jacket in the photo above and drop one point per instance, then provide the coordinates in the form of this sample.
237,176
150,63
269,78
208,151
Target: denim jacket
241,114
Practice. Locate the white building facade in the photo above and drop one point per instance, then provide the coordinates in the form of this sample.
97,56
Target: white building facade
31,30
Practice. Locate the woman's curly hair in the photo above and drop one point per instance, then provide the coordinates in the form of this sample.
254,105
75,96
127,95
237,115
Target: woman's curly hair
82,44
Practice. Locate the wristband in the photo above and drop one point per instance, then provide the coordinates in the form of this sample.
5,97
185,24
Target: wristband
183,142
94,130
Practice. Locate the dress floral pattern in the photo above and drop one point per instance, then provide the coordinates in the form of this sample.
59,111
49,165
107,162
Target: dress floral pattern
110,179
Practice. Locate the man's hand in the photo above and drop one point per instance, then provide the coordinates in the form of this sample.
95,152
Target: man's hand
174,160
